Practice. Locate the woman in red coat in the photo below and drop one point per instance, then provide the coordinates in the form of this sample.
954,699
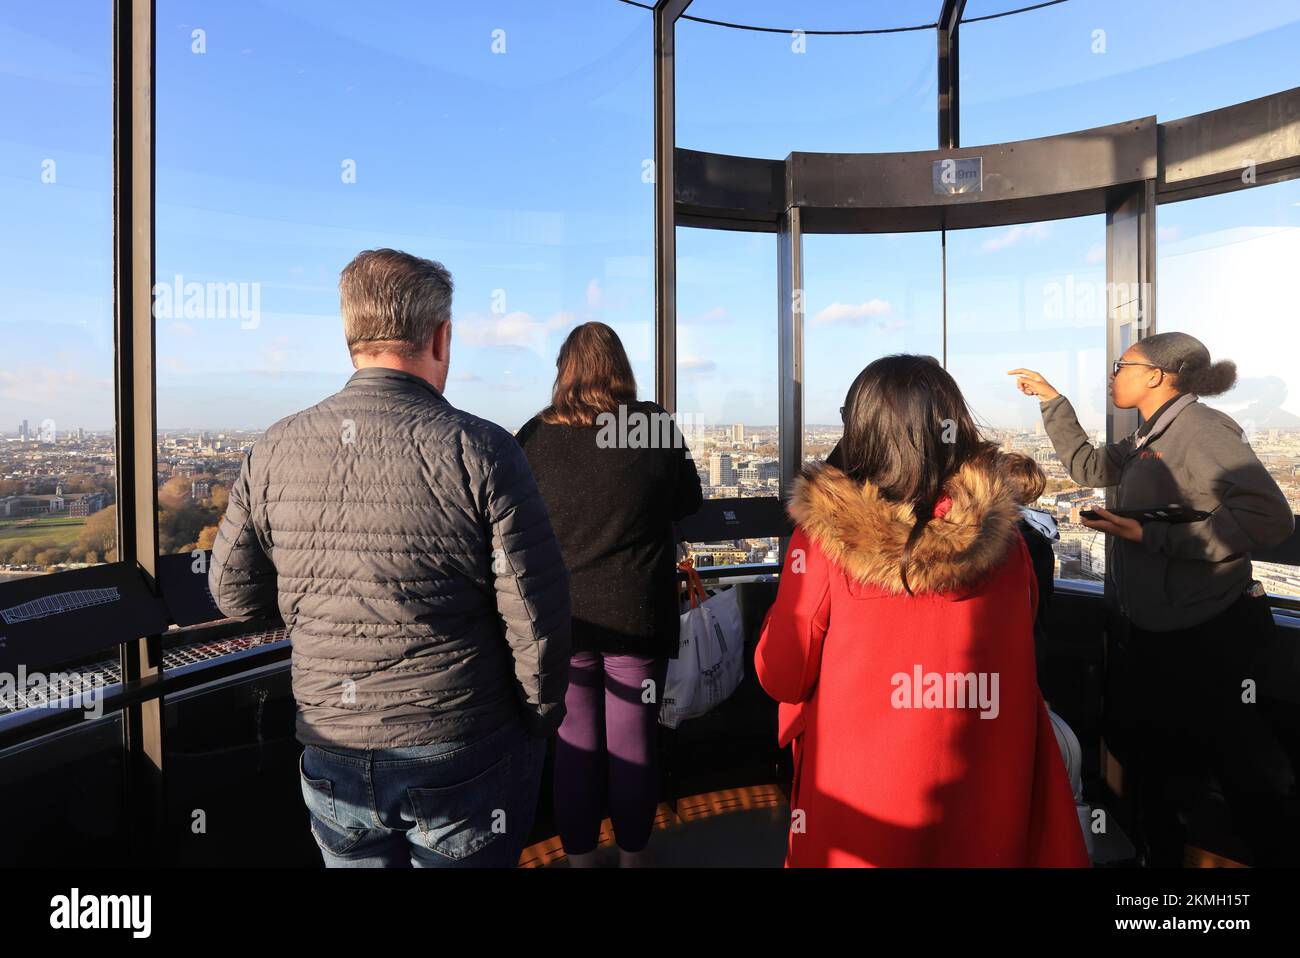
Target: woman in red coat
901,646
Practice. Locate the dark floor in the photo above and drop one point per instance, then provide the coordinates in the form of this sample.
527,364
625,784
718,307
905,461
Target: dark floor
740,827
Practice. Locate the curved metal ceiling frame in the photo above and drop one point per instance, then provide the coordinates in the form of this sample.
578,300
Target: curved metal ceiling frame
1123,170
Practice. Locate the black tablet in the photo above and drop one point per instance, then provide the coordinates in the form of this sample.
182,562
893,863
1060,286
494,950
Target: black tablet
1170,513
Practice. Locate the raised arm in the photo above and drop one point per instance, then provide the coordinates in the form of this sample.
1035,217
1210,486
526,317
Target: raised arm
1087,464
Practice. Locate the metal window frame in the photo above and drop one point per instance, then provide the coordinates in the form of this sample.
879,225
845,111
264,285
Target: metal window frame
1129,169
949,73
136,421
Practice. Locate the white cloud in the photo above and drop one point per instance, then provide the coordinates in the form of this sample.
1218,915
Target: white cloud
716,313
562,320
511,329
43,385
1015,235
838,312
593,294
696,365
519,328
1096,253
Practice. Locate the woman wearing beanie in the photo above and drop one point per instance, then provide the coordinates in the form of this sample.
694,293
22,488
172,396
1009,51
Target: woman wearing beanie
1197,622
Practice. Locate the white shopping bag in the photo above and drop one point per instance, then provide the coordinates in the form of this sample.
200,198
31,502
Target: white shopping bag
710,656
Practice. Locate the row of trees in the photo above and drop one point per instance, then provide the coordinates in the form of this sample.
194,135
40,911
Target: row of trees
45,486
183,525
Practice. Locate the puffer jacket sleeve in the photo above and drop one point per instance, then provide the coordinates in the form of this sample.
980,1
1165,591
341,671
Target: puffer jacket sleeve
532,587
241,576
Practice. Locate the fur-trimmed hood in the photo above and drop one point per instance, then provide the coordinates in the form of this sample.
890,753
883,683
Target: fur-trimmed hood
864,533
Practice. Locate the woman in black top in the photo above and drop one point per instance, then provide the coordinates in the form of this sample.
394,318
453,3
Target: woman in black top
615,473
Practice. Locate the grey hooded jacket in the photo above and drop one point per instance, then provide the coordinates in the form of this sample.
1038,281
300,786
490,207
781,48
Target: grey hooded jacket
413,562
1180,574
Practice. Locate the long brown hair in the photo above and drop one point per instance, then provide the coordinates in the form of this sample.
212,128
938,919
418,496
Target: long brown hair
592,376
907,431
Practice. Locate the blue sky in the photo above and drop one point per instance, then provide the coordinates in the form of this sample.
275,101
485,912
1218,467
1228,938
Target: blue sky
524,172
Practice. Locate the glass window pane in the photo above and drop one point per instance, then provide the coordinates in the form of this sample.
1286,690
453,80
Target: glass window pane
496,139
726,372
1226,274
768,94
1083,64
1034,295
866,296
57,479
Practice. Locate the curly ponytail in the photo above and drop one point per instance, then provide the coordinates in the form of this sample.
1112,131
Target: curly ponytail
1188,361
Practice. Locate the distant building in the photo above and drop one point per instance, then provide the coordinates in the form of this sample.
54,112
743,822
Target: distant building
738,433
201,489
1092,556
705,556
721,472
87,504
760,471
18,506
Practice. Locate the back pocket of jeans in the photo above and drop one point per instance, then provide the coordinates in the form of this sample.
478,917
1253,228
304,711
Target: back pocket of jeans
457,821
318,794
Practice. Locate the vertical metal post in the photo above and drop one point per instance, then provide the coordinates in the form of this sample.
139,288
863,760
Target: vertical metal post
790,309
1130,285
137,501
943,290
666,13
949,74
1130,316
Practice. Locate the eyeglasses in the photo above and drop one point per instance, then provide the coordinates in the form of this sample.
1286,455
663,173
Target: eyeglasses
1114,368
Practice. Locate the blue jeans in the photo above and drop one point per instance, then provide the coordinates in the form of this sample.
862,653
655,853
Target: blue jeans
450,805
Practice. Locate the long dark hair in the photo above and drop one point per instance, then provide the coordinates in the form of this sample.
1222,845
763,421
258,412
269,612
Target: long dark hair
592,376
907,431
1189,361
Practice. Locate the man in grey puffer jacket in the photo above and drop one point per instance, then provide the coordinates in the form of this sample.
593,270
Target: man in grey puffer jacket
412,560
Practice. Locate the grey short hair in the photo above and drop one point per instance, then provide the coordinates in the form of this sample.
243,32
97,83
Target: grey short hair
393,301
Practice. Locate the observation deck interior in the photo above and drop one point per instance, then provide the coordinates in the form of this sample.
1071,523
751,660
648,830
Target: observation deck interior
197,711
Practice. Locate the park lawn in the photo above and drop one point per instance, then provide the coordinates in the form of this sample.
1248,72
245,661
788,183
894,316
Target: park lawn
61,530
